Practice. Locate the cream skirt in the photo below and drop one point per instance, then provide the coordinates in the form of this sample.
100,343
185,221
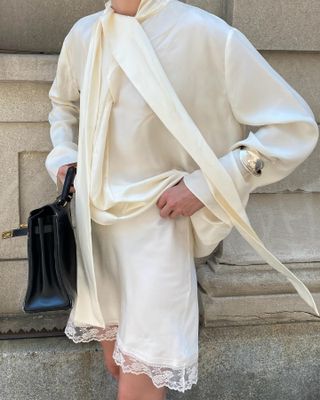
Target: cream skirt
147,288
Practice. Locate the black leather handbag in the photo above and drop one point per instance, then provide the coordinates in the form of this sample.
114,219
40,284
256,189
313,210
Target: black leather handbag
51,246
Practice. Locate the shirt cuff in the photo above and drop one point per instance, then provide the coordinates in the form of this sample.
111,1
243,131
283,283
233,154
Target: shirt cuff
58,156
242,179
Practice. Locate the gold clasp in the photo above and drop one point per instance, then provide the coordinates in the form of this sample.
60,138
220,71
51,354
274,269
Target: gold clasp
7,234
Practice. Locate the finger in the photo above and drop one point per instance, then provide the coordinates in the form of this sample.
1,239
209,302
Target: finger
60,178
63,169
61,173
161,202
165,211
174,214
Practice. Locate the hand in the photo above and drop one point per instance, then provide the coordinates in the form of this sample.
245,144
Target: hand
178,200
62,171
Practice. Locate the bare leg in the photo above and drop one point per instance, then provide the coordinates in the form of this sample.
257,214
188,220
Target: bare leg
131,386
138,387
111,366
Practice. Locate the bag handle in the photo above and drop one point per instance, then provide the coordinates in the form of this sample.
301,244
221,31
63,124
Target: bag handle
63,199
66,196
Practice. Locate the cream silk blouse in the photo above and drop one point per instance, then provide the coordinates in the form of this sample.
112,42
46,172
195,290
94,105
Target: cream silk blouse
126,154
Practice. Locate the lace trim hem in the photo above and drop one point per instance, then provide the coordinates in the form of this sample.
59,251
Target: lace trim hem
87,333
175,378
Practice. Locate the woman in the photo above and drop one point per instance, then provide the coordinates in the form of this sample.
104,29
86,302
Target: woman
152,209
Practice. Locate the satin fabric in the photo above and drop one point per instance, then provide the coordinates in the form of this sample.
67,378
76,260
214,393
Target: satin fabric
286,136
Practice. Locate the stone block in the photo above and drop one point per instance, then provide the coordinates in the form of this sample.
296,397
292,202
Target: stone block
13,277
213,6
287,223
301,71
259,362
24,101
36,27
28,67
24,180
33,192
52,369
255,309
277,24
305,177
221,280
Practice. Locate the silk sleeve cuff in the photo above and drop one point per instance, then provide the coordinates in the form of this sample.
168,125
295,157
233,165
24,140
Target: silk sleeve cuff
242,179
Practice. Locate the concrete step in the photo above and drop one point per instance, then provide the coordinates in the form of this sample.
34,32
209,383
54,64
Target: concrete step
254,294
220,280
255,309
272,362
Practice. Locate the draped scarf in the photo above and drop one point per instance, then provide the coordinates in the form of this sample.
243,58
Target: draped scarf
119,40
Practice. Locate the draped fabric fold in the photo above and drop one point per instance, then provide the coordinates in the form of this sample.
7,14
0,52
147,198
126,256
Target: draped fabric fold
120,41
90,172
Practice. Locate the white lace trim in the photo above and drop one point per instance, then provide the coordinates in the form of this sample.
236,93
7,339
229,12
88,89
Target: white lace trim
87,333
176,378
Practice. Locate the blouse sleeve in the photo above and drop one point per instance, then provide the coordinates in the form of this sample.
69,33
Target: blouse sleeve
63,117
259,97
